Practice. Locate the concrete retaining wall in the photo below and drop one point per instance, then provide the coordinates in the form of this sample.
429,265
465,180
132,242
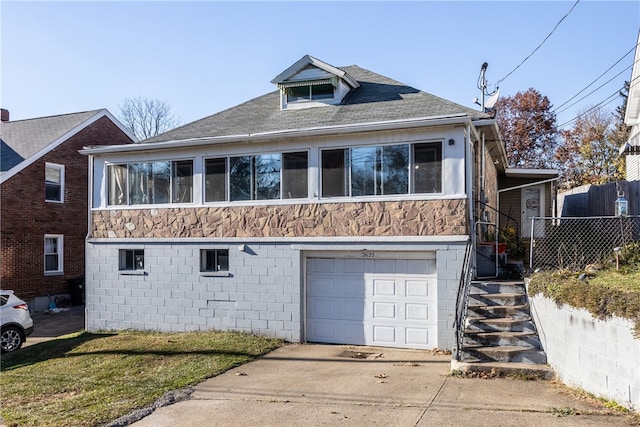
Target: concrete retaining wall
600,357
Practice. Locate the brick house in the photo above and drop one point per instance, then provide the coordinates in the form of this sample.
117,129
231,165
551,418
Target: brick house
44,194
338,208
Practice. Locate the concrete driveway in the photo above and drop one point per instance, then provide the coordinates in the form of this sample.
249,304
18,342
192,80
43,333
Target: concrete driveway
50,325
316,385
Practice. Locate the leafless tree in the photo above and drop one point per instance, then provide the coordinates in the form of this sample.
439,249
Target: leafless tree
147,117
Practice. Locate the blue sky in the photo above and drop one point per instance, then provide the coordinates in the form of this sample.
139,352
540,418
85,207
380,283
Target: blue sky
205,56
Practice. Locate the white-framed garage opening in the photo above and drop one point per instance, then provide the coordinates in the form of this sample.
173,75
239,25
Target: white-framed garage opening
375,298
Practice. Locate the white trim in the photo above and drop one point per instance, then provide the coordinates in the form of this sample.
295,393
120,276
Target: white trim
534,173
455,119
33,158
310,60
60,239
365,254
296,242
284,202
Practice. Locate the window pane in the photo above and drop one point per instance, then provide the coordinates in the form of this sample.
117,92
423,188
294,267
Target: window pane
395,169
322,91
53,183
267,176
117,184
334,173
240,178
295,175
131,259
182,184
139,183
298,93
51,262
222,258
215,186
214,260
427,168
161,180
365,171
52,256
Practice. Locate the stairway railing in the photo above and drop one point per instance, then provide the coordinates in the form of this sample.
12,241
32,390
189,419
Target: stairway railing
462,300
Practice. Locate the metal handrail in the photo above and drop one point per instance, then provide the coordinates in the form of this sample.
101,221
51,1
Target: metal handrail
462,300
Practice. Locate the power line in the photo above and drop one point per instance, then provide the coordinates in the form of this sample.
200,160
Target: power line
609,99
558,110
540,45
597,78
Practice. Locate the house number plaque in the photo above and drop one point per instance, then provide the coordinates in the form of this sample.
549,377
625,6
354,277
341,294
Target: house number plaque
367,254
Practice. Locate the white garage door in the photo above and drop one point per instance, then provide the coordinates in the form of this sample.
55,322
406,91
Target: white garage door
377,302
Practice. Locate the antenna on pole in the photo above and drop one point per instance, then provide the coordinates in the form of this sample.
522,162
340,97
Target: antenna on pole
486,106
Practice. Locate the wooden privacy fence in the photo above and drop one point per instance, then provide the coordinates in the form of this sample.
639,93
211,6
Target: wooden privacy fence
599,200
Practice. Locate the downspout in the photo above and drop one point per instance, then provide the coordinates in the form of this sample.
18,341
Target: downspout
86,239
469,189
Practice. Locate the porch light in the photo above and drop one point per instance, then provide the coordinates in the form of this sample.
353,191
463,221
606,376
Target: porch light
621,204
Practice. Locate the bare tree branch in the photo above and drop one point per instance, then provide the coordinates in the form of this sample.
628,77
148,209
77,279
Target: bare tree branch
147,117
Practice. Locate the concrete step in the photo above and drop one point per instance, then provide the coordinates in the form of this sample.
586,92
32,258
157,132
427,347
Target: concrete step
514,369
500,324
499,311
495,287
508,339
520,354
490,299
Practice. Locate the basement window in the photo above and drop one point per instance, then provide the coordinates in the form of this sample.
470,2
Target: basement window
214,260
131,260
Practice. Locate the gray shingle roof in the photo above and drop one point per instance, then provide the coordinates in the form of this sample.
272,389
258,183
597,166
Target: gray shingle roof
22,139
378,99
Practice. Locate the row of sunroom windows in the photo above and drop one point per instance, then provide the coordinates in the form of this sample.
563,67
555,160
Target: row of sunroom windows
345,172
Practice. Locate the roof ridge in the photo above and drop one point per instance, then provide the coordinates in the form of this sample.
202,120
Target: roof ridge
57,115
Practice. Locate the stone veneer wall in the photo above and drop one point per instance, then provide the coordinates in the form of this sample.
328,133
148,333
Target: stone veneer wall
402,218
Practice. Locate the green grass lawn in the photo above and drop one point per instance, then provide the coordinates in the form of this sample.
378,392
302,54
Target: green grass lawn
89,379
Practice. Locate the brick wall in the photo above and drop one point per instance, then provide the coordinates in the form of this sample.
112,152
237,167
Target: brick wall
25,217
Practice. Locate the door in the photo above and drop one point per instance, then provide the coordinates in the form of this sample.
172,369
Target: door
378,302
532,206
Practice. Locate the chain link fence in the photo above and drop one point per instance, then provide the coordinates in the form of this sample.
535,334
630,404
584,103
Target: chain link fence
573,243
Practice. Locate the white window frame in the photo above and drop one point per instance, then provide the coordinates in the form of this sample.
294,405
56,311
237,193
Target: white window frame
60,253
60,168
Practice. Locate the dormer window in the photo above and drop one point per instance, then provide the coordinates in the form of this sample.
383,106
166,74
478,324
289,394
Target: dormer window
309,91
313,83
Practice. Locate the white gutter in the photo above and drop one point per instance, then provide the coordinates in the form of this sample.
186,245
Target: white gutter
262,136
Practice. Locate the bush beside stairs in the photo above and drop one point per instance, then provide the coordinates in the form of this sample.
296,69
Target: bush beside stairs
499,336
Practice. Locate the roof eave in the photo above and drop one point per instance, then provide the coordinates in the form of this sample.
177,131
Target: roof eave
33,158
456,119
310,60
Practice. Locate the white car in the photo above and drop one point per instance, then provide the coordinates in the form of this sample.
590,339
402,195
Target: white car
17,324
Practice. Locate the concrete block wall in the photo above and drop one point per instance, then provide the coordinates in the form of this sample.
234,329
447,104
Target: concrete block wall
449,262
263,293
599,356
